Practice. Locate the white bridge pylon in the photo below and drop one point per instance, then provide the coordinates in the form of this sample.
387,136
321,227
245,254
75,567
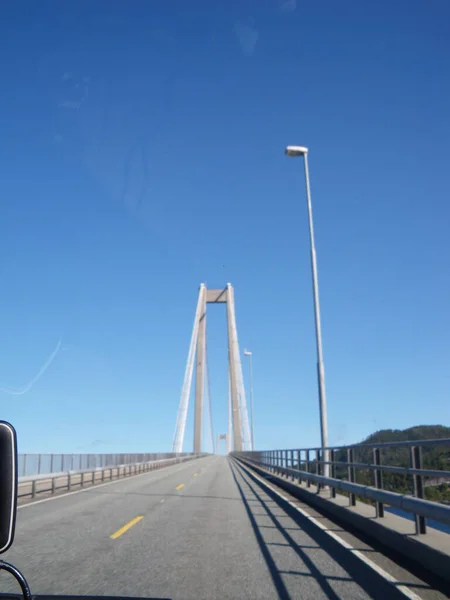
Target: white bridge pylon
238,437
221,436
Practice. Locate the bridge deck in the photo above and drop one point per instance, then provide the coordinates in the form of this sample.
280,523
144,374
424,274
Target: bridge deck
209,530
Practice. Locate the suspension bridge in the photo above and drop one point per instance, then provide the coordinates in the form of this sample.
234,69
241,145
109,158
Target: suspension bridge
281,523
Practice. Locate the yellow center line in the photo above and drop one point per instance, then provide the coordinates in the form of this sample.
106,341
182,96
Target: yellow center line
180,486
126,527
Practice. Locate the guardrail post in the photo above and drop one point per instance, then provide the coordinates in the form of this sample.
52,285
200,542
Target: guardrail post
351,473
93,477
82,479
308,482
69,481
103,474
333,471
33,488
53,485
416,463
378,481
318,469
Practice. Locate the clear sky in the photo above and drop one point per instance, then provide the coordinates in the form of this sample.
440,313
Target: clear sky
142,153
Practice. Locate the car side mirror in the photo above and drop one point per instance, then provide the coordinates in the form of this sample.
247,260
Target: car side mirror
8,484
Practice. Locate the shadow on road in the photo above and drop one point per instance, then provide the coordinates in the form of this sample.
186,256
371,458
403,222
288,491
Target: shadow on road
250,490
180,495
58,597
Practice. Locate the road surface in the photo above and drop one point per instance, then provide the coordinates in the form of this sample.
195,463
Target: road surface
198,530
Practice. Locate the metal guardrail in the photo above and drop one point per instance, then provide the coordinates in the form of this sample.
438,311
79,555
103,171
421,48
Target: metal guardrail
35,464
307,464
36,484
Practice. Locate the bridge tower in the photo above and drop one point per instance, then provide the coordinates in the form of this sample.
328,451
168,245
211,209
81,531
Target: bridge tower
238,437
221,436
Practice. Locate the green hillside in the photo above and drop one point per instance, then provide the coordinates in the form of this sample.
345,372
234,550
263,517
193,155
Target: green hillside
433,458
419,432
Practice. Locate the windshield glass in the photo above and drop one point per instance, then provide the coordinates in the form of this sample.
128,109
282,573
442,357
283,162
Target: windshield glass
144,176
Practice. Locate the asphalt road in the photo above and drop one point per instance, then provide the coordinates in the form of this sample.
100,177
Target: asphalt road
206,531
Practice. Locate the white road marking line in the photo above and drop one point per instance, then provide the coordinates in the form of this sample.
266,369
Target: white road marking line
379,570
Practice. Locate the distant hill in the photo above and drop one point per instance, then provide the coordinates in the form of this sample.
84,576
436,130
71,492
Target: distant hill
419,432
432,458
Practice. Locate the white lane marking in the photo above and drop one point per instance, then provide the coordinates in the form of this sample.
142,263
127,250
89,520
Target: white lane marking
94,487
379,570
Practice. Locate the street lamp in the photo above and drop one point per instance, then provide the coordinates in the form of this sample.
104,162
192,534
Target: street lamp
250,355
303,151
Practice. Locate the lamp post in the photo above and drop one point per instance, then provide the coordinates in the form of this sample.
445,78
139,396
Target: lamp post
303,151
250,355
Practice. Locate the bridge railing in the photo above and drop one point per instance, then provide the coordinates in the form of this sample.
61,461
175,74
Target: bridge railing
375,473
51,483
37,464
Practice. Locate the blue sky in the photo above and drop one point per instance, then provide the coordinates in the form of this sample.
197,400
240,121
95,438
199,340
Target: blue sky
141,153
